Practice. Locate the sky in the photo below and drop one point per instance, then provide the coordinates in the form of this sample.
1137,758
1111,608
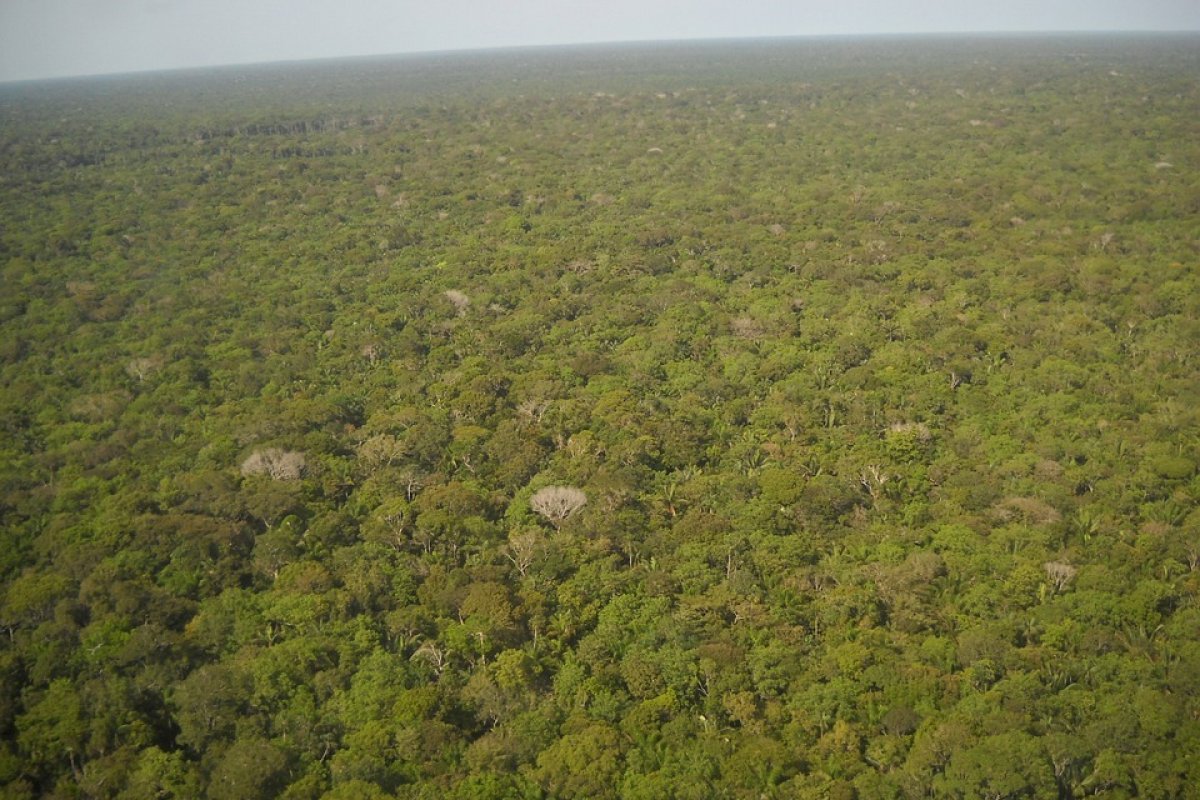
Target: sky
57,38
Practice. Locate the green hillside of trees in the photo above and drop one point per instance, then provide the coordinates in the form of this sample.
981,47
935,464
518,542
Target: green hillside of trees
783,419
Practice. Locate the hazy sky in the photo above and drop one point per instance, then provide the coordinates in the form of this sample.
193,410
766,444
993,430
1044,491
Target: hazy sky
49,38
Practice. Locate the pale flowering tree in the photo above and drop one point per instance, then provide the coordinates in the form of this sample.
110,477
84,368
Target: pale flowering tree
459,300
556,503
381,450
276,463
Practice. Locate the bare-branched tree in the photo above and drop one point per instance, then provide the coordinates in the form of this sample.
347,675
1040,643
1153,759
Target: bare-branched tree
434,655
1059,574
142,368
522,549
556,503
873,479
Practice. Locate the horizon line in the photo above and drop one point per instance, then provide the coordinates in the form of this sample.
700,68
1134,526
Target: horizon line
600,44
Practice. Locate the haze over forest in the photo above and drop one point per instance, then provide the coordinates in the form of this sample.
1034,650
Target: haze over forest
54,38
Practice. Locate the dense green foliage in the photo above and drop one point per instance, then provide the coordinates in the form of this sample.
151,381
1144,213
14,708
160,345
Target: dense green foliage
876,362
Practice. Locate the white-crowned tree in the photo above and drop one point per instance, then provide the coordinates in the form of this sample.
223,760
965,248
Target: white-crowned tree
557,503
